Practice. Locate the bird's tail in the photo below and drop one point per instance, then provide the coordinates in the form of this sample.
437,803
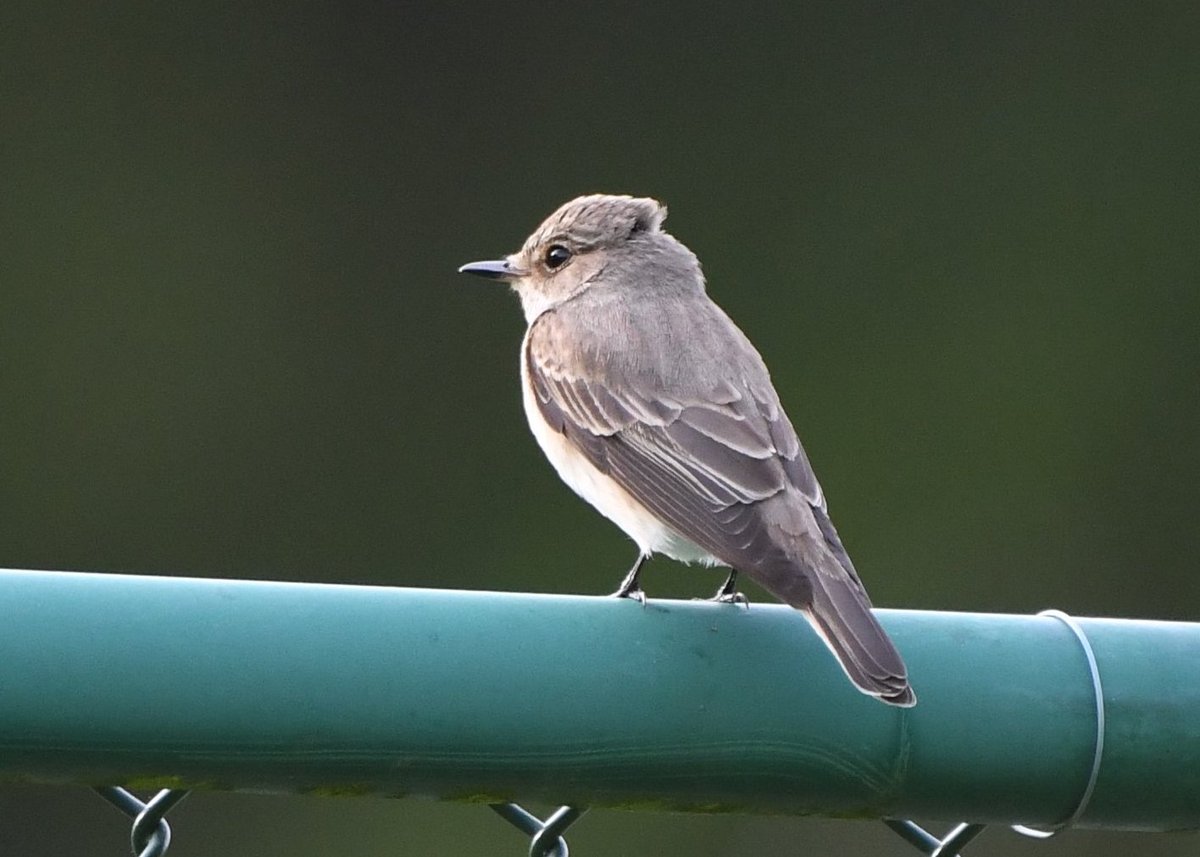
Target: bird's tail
839,610
841,614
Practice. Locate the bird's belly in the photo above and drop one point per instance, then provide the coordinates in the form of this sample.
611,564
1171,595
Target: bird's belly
604,493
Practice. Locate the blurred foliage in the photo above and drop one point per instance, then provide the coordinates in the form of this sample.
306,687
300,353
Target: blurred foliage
964,238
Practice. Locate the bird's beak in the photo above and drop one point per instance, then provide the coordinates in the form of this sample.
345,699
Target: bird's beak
500,269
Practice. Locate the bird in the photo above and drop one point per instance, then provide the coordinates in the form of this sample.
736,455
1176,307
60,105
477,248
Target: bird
654,407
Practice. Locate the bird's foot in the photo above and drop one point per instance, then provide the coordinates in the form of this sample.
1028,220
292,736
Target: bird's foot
631,587
734,597
634,593
728,593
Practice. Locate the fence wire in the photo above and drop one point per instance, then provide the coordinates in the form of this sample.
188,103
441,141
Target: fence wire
150,835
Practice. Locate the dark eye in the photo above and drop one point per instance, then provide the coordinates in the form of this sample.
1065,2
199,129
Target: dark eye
557,256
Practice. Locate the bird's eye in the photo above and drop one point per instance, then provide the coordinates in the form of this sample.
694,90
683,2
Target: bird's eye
557,256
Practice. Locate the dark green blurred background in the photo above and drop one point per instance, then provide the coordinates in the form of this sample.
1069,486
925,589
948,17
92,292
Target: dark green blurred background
233,343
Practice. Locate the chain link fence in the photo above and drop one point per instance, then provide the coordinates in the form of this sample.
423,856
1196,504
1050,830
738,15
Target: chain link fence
479,696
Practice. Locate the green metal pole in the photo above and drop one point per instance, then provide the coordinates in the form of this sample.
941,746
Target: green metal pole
483,696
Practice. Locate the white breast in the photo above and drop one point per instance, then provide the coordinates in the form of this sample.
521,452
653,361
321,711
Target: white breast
603,492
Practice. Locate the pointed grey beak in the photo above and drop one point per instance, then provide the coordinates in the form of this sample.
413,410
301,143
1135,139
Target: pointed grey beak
495,270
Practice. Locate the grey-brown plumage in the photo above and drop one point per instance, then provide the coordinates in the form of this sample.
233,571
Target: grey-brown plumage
655,407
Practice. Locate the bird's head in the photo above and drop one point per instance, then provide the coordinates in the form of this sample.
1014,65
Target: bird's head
589,241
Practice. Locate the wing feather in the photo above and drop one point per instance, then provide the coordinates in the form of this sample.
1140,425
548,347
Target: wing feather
712,454
702,465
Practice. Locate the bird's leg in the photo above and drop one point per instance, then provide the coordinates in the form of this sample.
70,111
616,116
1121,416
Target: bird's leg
630,587
728,593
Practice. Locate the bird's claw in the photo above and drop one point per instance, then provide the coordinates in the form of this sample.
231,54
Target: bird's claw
723,597
634,594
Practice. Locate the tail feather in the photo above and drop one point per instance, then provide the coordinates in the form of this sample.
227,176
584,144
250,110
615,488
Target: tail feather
837,606
841,614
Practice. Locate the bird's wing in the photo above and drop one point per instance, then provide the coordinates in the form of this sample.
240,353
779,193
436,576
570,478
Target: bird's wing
711,456
700,459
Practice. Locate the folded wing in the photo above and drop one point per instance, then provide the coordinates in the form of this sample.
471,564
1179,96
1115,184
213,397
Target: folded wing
718,461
